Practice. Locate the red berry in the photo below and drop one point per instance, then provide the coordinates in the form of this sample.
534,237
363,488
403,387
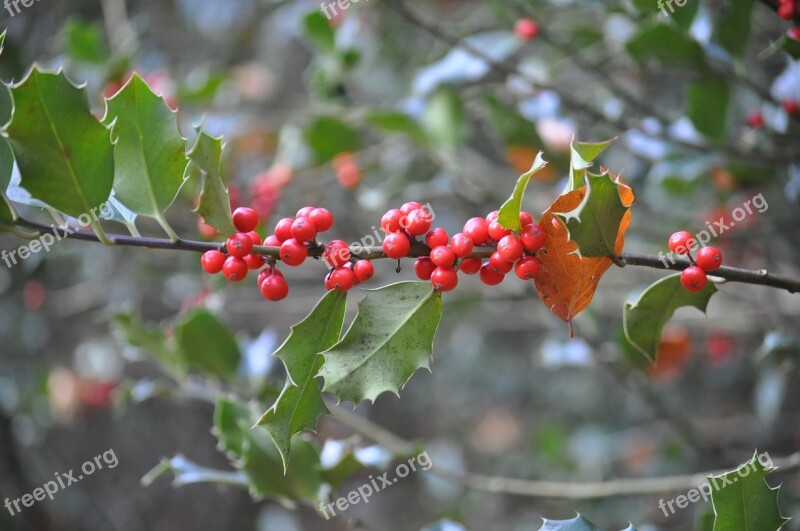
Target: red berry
343,279
255,261
207,232
444,279
525,218
337,253
293,253
443,256
283,230
396,245
794,33
212,262
693,278
477,229
390,222
424,267
274,288
497,231
492,216
304,212
262,276
681,242
303,230
364,270
245,219
489,276
533,237
272,241
321,218
234,269
527,268
755,119
418,222
526,29
462,245
470,266
787,10
409,207
254,237
791,106
510,248
239,245
709,258
436,237
328,283
499,264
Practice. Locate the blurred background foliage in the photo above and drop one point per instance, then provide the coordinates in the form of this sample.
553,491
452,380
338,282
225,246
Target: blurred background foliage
389,103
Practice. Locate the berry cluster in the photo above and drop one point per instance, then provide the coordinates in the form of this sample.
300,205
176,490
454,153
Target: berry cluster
450,255
694,278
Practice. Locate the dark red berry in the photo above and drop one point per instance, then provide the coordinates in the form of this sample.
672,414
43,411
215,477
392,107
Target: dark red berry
510,248
303,230
322,219
755,119
787,10
444,279
462,245
396,245
343,279
709,258
477,229
437,237
283,230
235,269
470,266
499,264
527,268
693,278
791,106
681,242
212,262
245,219
274,288
364,270
337,253
497,231
489,276
239,245
443,256
525,218
532,237
255,261
424,267
293,253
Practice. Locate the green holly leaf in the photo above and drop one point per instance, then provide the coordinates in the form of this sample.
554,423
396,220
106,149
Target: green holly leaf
151,339
207,344
743,501
644,319
594,225
215,203
7,212
390,338
667,45
579,523
149,153
328,136
733,28
84,41
65,156
230,420
707,105
581,158
508,215
397,122
300,404
320,32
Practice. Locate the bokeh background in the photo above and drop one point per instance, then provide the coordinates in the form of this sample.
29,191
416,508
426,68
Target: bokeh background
418,119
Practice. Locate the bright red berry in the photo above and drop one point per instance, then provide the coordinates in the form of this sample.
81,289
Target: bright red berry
533,237
418,222
499,264
235,269
497,231
283,230
255,261
492,216
443,256
787,10
794,33
444,279
470,266
293,253
343,279
396,245
791,106
477,229
255,237
245,219
755,119
709,258
424,267
207,232
693,278
328,283
364,270
322,219
527,268
272,241
274,288
337,253
409,207
526,29
437,237
390,222
489,276
212,262
681,242
304,212
239,245
262,276
510,248
462,245
303,230
525,218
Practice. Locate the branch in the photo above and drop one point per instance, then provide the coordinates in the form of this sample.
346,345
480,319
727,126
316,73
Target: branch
543,489
418,249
